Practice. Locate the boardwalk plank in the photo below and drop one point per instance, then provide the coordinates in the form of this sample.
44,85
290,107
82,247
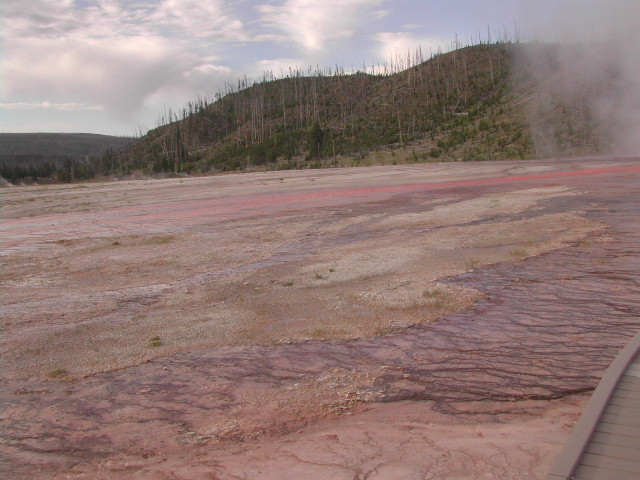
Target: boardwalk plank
617,429
615,451
630,378
624,402
622,393
627,410
625,418
629,385
591,473
633,371
616,440
611,463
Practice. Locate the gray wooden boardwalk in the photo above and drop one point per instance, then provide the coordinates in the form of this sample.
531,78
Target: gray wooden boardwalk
605,444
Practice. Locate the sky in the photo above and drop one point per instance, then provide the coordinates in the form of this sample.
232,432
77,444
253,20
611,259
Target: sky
112,66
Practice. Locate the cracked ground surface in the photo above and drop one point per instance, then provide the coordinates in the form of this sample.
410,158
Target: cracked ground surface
425,321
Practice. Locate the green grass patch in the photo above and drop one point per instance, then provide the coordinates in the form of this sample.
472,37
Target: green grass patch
520,253
58,374
432,293
473,263
159,240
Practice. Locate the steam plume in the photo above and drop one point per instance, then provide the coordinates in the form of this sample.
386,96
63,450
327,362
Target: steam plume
585,63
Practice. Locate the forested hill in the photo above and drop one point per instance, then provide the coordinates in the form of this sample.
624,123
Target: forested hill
452,106
76,145
43,154
474,103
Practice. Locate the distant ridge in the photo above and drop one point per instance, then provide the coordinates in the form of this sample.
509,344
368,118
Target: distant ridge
65,156
75,145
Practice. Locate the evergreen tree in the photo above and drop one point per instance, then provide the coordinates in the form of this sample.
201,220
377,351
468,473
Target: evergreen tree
315,140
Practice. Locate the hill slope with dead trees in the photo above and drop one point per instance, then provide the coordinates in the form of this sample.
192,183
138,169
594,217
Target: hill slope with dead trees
445,107
479,102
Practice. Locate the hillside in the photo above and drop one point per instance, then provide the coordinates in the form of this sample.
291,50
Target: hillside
42,154
454,106
481,102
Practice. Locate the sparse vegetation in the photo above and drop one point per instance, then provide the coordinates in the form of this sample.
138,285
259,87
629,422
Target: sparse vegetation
58,374
438,304
318,333
438,299
382,330
473,263
520,253
432,293
155,342
159,240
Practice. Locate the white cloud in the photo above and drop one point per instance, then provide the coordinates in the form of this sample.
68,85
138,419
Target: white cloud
118,73
113,53
49,106
105,18
396,45
198,18
316,25
381,14
208,69
281,67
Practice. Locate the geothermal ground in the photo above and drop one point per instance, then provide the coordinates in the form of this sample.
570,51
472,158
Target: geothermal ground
432,321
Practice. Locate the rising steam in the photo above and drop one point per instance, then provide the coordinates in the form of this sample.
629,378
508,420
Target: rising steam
583,68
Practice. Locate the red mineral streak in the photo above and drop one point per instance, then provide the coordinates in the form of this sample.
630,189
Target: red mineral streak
167,216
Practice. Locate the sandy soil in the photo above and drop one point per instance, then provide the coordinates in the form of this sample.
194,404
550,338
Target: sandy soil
104,285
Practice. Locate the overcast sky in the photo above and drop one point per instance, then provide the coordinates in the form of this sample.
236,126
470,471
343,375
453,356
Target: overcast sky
111,66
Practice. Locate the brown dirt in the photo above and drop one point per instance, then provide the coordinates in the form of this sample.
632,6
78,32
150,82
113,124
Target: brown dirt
267,303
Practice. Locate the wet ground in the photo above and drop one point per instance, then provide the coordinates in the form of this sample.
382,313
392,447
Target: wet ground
492,390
